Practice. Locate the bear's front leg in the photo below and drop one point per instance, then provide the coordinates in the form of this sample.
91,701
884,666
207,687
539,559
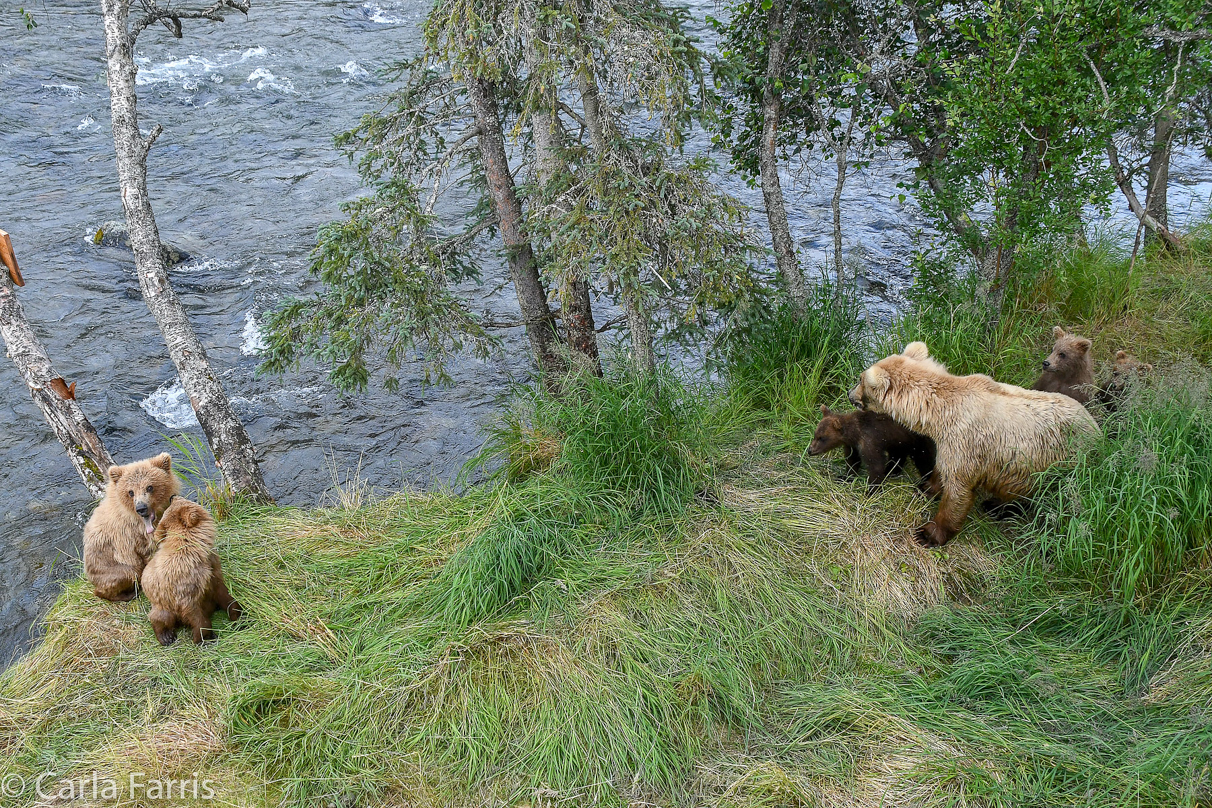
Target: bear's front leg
952,511
164,623
877,465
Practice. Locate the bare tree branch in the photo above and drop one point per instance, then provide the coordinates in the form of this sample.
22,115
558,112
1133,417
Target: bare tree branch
1123,180
171,18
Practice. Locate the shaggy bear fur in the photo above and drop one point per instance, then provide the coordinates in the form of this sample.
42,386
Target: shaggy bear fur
1069,369
990,436
1125,373
118,536
184,580
872,440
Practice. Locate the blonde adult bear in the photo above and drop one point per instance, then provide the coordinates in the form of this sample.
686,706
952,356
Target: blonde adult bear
990,436
184,580
118,536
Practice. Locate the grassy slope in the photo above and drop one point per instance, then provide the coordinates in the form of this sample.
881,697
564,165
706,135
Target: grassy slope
763,635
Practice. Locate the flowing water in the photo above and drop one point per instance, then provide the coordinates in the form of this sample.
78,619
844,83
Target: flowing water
241,178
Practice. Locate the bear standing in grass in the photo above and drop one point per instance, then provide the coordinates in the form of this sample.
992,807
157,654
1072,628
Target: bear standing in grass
1069,369
118,536
184,580
872,440
990,436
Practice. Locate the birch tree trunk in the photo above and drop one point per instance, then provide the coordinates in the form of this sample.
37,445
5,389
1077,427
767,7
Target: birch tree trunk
575,305
234,452
54,397
1156,191
523,268
643,355
768,166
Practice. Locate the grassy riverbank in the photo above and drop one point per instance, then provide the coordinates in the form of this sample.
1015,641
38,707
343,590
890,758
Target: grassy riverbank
662,601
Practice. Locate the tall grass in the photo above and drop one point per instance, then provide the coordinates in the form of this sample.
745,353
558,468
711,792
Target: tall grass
1137,507
634,442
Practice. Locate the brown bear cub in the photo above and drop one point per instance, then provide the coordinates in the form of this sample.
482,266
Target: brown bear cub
874,441
184,580
118,536
1069,369
1125,374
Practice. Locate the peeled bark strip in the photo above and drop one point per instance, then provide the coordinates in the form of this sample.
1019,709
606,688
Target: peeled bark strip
768,166
234,452
53,396
524,270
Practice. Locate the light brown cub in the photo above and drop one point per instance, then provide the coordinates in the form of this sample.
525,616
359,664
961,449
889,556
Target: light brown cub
1069,369
118,536
184,580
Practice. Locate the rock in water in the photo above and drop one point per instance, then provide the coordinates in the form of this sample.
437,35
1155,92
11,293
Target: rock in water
114,234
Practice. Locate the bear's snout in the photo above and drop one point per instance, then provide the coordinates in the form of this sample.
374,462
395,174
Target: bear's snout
142,509
1047,364
856,398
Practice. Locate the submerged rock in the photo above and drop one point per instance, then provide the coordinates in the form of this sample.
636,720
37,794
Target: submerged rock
115,234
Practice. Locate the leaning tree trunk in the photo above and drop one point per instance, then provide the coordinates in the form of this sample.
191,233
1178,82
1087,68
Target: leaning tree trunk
576,308
523,268
768,166
234,452
643,355
1164,124
55,397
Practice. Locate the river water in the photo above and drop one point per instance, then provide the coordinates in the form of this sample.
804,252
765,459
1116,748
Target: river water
242,177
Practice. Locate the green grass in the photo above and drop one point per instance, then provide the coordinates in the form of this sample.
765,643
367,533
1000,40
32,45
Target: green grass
655,599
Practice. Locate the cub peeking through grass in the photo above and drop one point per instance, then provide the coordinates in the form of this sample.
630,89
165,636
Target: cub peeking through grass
184,580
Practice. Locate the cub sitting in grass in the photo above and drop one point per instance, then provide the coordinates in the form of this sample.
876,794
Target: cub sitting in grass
1069,369
989,435
184,580
1125,373
118,535
874,441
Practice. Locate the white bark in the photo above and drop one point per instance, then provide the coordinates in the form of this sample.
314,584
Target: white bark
779,31
234,452
54,397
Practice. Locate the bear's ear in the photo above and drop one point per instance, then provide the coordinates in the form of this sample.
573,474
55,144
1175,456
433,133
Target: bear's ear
193,517
916,350
1121,356
163,461
1057,332
876,379
115,474
1081,345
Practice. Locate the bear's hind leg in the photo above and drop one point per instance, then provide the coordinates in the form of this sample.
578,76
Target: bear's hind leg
200,621
118,583
164,623
223,598
952,511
